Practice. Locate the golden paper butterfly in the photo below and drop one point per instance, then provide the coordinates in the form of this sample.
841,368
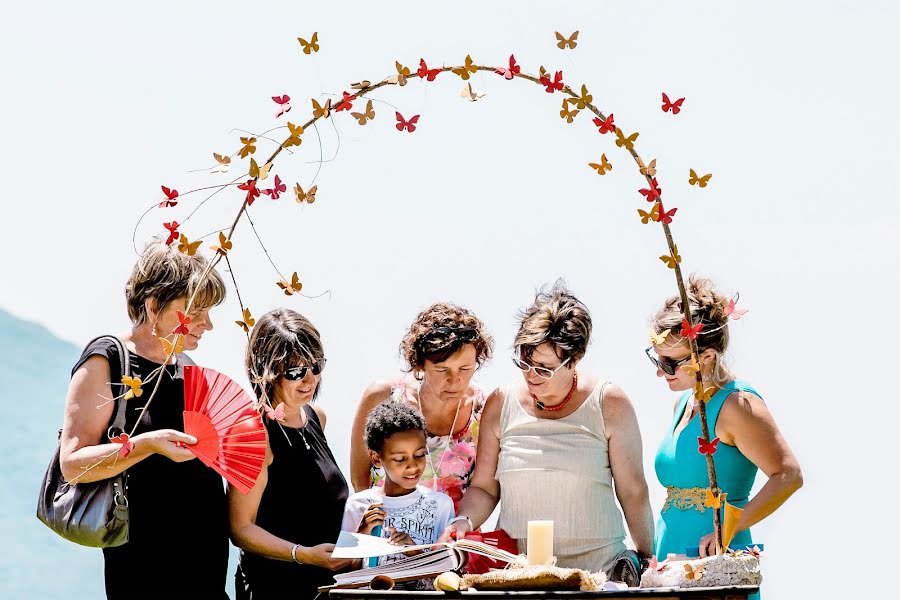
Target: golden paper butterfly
653,215
626,142
658,339
466,71
294,139
603,167
176,347
249,147
247,322
714,500
223,246
565,113
308,196
647,170
321,111
566,42
692,368
257,172
293,286
693,573
703,394
187,247
701,181
584,99
134,383
364,117
312,45
673,260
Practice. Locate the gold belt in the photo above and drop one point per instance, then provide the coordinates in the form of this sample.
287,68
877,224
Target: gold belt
685,498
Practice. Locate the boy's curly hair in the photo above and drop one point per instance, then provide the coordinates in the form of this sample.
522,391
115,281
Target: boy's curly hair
388,418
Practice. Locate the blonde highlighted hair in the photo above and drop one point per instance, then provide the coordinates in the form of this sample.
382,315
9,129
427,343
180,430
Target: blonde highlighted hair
555,317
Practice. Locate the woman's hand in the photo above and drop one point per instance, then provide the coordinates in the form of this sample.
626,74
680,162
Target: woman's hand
168,442
320,556
456,530
708,545
372,518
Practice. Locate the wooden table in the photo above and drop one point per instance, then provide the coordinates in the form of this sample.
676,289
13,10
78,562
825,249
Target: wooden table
739,592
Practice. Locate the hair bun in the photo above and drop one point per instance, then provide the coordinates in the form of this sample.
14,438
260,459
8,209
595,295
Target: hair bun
702,291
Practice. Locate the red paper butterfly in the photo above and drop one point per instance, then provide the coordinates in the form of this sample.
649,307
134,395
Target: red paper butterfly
666,217
276,414
709,448
170,197
653,193
675,107
127,445
284,104
275,192
185,320
513,69
425,73
735,313
555,85
252,192
690,332
173,231
606,126
346,103
410,125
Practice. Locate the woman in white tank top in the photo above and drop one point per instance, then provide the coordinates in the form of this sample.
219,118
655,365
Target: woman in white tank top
551,446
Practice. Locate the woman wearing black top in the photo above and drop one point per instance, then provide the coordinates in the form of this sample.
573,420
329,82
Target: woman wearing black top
178,536
287,524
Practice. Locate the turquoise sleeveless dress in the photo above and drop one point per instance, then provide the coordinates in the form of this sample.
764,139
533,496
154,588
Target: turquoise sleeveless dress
680,465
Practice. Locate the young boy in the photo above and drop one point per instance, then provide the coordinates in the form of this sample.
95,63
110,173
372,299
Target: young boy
408,513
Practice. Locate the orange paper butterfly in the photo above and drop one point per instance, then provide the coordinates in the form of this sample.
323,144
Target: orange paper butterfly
223,246
647,170
696,180
603,166
312,45
247,322
321,111
692,573
257,172
626,142
466,71
308,196
673,260
293,286
364,117
176,347
135,384
249,146
186,247
566,42
653,215
294,139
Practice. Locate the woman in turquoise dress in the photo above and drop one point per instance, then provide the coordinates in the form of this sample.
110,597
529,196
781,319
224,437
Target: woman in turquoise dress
749,439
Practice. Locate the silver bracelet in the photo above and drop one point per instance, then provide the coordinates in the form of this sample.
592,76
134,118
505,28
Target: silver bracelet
462,518
294,553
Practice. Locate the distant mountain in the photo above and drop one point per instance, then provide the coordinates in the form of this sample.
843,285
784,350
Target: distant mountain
34,376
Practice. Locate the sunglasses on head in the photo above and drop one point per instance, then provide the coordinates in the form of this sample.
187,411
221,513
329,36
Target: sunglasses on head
668,366
441,337
298,373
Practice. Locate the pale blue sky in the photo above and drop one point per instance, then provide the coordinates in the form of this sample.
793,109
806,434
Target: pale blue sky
789,105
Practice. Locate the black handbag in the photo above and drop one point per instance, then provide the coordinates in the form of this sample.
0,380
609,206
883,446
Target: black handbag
94,513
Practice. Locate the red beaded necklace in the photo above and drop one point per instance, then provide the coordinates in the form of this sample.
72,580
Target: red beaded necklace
540,405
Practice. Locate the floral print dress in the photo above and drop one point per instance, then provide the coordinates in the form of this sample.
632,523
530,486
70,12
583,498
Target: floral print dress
450,463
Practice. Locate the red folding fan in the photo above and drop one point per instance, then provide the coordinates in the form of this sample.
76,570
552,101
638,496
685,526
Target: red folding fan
230,435
478,563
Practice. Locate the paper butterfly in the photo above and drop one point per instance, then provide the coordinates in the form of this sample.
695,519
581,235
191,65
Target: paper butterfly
135,384
425,73
626,142
186,247
564,42
673,260
703,394
565,113
275,192
223,246
224,163
606,126
584,99
735,313
693,574
248,321
248,148
667,106
309,196
689,331
184,321
658,566
705,448
259,173
284,104
293,286
172,348
652,193
553,86
658,339
701,181
603,166
275,414
346,103
321,111
692,368
465,72
127,444
714,500
170,197
647,170
665,217
402,73
312,45
360,85
173,232
294,139
364,117
409,126
250,188
512,71
471,95
653,215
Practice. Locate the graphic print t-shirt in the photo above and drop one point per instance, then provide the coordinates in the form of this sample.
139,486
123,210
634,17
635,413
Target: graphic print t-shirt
423,514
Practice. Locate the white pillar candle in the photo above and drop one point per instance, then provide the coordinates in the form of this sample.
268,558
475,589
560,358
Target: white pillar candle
540,542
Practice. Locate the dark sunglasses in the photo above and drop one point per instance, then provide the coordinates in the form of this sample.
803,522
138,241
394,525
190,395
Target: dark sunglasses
442,337
668,366
298,373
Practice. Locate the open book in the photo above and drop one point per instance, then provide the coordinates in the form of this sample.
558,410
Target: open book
450,557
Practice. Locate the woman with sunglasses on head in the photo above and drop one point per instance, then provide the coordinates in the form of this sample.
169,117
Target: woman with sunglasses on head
443,348
552,444
749,439
287,524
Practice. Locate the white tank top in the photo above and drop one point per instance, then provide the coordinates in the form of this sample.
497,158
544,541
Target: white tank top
557,469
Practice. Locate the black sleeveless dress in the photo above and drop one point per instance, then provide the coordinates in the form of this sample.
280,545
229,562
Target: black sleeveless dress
178,516
303,503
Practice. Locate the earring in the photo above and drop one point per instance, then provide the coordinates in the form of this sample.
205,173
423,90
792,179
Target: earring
418,375
153,329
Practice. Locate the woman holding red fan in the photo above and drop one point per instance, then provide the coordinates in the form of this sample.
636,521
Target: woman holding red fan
287,523
745,436
178,521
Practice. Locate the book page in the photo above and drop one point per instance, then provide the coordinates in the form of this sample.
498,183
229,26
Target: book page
360,545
